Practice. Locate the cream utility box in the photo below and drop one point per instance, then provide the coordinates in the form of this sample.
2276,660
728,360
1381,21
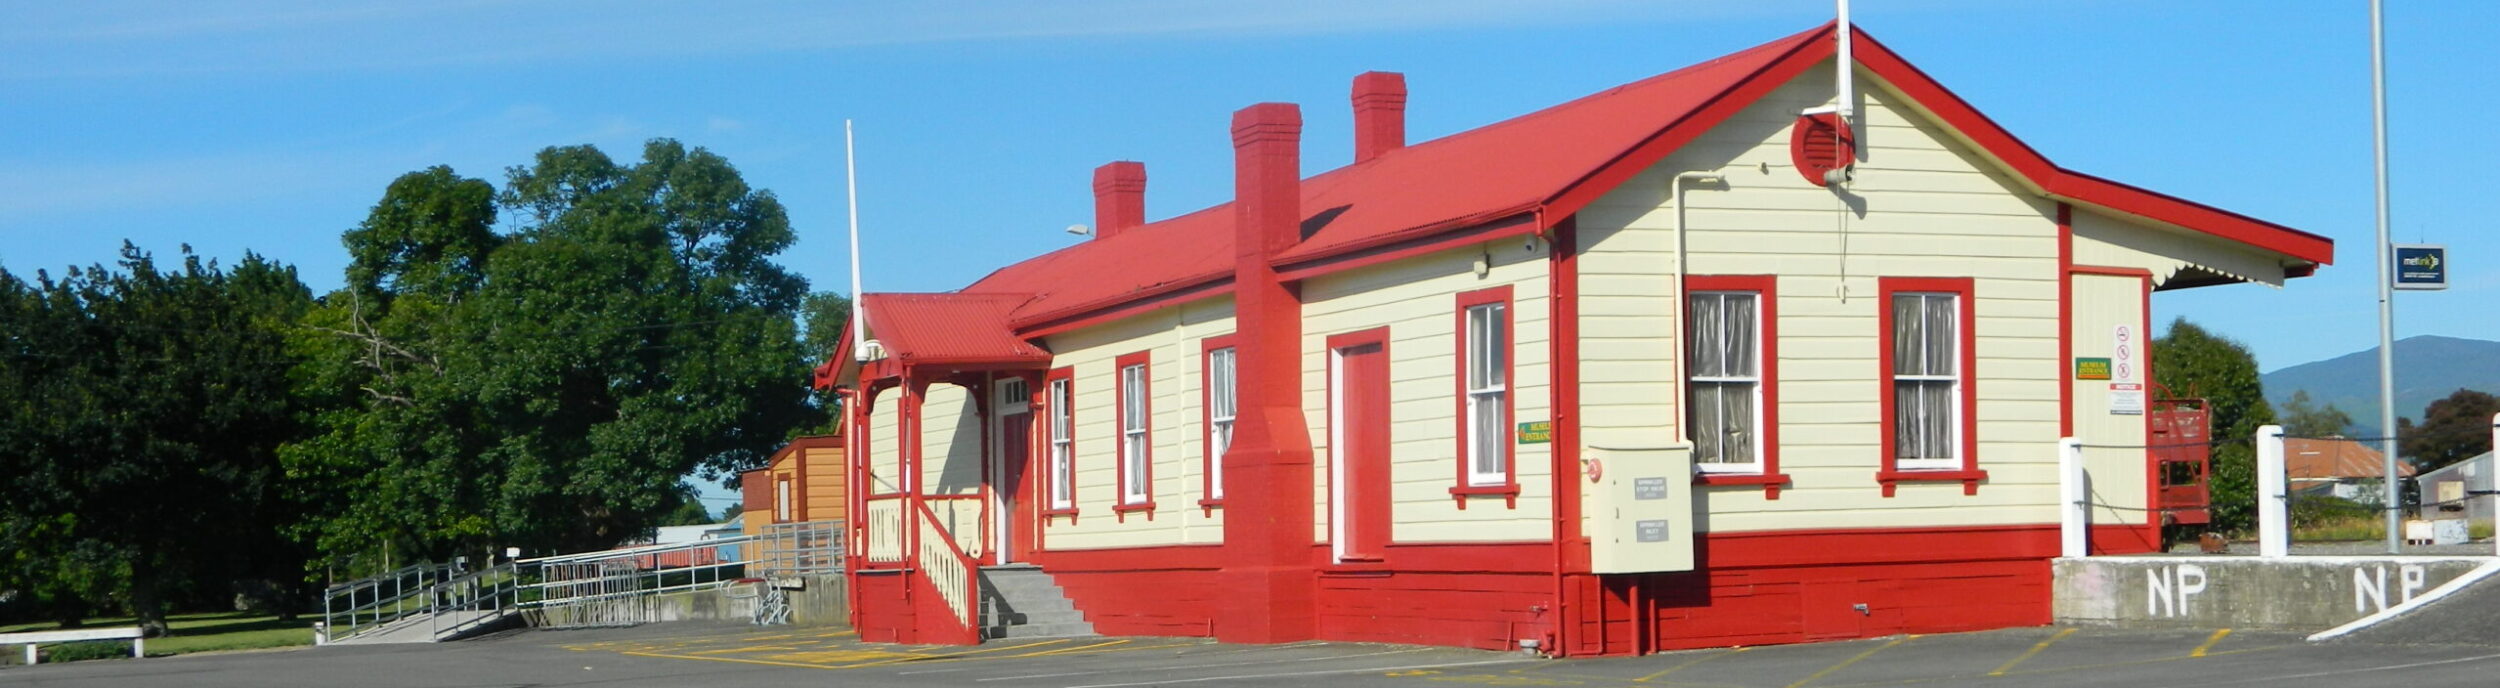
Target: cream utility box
1641,510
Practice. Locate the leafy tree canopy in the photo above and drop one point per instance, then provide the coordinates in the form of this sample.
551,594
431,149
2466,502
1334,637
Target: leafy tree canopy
540,366
2303,418
140,412
2189,361
2453,429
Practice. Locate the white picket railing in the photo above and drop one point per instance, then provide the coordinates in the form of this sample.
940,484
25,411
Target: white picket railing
885,530
944,565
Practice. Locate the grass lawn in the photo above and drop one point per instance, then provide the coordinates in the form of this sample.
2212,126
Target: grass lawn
191,633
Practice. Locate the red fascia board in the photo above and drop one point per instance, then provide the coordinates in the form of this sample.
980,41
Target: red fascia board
2075,186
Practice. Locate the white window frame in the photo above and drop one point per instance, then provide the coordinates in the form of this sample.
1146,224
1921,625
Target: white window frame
1062,446
1136,443
1223,407
781,499
1694,381
1487,357
1952,458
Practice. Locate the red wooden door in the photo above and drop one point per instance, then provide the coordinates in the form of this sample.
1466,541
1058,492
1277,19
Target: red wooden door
1015,449
1361,448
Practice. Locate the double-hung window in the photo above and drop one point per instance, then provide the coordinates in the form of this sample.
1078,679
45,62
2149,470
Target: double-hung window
1927,409
1221,409
1136,448
1725,380
1062,442
1484,385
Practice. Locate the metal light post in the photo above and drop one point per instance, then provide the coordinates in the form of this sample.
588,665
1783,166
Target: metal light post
2386,283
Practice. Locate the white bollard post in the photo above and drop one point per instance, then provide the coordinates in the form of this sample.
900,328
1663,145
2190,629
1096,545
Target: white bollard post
30,654
2274,527
2074,520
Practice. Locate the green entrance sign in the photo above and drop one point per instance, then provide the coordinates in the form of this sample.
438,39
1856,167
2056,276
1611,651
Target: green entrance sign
2091,368
1536,432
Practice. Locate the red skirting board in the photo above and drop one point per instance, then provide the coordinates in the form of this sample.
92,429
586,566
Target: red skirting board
885,609
1751,589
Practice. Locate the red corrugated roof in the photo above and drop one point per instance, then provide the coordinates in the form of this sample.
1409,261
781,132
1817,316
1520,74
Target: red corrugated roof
949,329
1550,161
1467,178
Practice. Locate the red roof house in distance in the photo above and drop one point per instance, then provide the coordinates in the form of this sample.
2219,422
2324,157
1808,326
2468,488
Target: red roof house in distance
2342,467
1712,358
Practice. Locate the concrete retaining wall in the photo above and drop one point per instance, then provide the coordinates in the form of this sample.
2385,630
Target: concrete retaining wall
2293,594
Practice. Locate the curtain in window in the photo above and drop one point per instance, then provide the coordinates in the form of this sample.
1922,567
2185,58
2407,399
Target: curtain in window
1062,466
1925,374
1487,386
1724,376
1133,431
1220,412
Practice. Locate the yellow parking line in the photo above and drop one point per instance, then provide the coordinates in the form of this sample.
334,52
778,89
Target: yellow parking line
1071,649
2035,649
1071,652
2209,643
1689,662
1827,671
941,658
733,660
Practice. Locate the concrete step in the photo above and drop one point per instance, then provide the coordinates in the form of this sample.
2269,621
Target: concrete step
1025,602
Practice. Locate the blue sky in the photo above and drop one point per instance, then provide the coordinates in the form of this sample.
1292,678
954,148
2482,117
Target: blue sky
273,126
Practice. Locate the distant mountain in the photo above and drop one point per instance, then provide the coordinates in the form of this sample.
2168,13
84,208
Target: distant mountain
2428,368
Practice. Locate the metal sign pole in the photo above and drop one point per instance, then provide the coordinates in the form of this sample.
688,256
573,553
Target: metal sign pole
2386,284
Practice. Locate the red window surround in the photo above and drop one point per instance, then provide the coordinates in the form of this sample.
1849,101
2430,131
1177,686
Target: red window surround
1463,488
1050,471
1969,475
1766,287
1119,433
1209,461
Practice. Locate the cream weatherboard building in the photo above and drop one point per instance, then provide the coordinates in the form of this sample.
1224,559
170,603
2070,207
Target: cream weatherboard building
1695,361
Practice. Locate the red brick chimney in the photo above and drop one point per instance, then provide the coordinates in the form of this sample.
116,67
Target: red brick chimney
1269,580
1119,197
1379,114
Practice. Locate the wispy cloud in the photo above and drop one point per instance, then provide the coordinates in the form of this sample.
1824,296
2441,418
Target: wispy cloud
83,40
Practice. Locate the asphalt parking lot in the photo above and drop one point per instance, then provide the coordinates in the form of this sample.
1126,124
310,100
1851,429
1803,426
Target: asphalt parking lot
737,657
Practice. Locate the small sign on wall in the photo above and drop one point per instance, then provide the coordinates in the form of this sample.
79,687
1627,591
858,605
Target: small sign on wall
2126,399
2091,368
1536,432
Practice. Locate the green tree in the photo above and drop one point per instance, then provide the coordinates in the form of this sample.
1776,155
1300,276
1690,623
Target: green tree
2302,417
550,385
824,316
141,428
2453,429
2189,361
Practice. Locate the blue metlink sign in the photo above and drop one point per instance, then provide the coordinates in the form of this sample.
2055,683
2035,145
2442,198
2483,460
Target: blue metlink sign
2421,266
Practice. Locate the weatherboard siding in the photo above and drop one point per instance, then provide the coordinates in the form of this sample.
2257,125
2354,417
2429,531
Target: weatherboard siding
2117,472
885,448
951,456
1416,299
1922,205
1173,337
2113,241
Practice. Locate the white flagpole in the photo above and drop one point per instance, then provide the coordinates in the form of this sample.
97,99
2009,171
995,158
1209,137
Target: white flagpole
850,170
